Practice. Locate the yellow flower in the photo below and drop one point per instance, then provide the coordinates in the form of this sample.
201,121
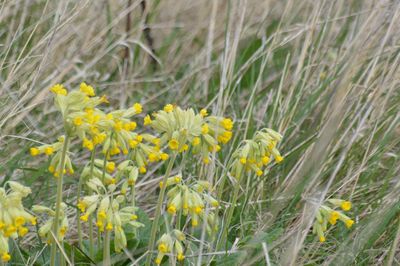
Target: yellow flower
87,89
203,112
22,231
185,147
173,144
164,156
278,159
243,160
5,257
196,141
168,108
110,167
103,99
33,221
109,227
147,120
171,209
48,150
346,205
84,218
195,222
227,123
78,121
34,151
333,217
19,221
180,257
142,170
163,248
204,129
63,231
118,126
349,223
81,206
87,143
138,108
102,215
59,89
133,143
198,209
265,160
100,225
153,157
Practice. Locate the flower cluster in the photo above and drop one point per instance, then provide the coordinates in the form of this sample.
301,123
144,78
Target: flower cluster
182,128
254,154
45,231
56,150
110,215
13,216
171,243
191,200
327,215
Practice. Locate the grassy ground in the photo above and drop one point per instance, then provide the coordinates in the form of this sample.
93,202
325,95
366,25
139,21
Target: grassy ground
323,73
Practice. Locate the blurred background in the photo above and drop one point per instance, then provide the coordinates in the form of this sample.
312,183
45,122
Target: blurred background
323,73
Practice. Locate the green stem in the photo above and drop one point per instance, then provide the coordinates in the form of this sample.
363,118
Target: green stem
80,237
106,250
91,240
133,205
58,201
229,216
160,201
106,244
107,238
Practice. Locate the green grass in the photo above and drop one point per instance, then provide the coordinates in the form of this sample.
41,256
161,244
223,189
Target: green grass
325,74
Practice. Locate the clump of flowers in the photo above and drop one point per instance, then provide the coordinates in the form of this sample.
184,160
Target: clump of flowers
54,150
112,214
254,154
330,215
13,216
106,188
181,129
191,201
171,243
45,229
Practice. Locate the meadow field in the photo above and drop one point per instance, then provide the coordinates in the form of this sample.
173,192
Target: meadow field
208,132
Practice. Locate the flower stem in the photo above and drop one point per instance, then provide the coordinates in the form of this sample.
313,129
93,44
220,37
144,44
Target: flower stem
133,205
106,250
160,201
229,215
58,201
80,237
91,240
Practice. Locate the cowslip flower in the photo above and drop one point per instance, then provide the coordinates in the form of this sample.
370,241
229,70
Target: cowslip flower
54,150
112,214
45,229
254,154
191,201
327,215
13,216
181,129
170,243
